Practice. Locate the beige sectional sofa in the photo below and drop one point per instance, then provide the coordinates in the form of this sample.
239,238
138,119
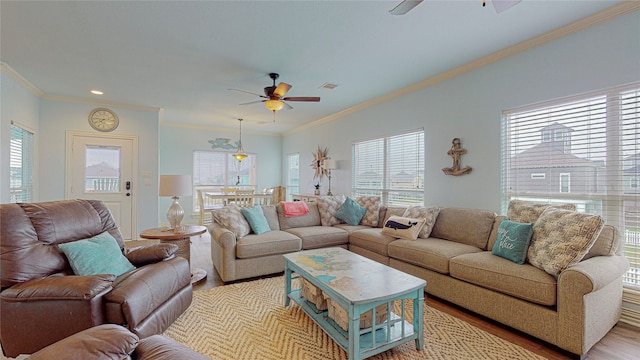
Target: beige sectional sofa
573,311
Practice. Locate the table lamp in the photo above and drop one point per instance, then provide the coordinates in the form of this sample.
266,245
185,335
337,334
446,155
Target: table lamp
175,186
329,164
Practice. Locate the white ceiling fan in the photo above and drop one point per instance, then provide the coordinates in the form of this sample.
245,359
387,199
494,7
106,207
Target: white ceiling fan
406,5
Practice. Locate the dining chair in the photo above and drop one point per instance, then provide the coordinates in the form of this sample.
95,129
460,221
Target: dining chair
243,198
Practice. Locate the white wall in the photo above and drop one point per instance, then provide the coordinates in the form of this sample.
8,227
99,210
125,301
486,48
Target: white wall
56,117
469,107
22,106
177,144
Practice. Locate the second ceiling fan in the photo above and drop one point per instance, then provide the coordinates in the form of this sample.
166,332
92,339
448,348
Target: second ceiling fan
274,98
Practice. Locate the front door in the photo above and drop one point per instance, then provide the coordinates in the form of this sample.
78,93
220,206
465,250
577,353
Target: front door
101,167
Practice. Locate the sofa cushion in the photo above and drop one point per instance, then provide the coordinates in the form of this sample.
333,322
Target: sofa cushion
350,212
351,228
312,218
314,237
608,243
431,253
256,219
371,239
428,213
270,243
372,204
328,206
388,212
529,211
230,217
492,272
561,238
493,236
97,255
513,241
271,214
403,227
466,226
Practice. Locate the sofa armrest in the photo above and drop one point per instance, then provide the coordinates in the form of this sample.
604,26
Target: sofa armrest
59,288
593,274
223,236
104,341
144,255
158,347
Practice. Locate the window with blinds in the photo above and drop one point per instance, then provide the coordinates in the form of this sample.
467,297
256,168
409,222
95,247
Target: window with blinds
293,175
21,164
391,167
583,150
220,169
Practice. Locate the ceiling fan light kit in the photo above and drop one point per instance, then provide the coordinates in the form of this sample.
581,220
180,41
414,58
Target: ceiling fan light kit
274,95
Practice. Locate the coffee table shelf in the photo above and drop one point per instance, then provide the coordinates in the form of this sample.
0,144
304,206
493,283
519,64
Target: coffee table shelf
358,285
367,347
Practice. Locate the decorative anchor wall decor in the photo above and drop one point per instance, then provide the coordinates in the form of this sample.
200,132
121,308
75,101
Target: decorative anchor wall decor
456,152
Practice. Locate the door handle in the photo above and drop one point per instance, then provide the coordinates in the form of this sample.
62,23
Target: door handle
128,186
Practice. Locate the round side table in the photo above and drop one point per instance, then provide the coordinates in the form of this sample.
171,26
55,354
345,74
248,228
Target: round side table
183,240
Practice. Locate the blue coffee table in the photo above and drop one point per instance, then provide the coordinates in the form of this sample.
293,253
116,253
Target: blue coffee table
358,285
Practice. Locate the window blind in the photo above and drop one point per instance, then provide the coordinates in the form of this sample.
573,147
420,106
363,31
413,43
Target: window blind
583,150
21,161
293,174
220,169
391,167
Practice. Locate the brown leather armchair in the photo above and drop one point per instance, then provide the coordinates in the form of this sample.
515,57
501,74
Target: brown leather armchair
42,301
115,342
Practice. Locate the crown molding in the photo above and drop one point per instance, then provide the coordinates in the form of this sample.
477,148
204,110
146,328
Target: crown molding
605,15
10,72
72,99
213,128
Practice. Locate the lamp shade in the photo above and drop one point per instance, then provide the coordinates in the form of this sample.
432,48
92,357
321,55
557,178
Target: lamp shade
274,105
329,164
175,185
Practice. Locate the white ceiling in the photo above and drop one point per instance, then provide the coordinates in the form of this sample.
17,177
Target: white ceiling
183,56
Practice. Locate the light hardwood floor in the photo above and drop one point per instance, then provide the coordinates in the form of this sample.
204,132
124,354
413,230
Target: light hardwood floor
622,342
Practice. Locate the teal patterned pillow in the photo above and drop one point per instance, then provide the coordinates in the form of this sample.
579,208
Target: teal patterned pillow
351,212
513,241
100,254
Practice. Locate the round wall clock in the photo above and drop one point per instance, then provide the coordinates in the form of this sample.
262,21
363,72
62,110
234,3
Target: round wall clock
103,119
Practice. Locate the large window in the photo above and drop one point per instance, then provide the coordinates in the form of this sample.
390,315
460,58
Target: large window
21,164
293,175
218,169
592,159
391,167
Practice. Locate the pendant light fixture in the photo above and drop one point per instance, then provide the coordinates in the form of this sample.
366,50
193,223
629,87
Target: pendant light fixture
240,154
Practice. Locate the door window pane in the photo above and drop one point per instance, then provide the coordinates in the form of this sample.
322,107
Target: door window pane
102,169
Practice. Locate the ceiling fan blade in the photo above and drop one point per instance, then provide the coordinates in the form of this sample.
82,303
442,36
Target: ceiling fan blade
281,89
302,98
247,92
504,5
253,102
404,7
287,106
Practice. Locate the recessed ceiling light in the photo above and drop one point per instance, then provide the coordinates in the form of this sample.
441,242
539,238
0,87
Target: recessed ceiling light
97,92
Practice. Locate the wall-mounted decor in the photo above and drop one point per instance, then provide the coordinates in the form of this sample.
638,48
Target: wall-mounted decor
223,143
456,152
318,160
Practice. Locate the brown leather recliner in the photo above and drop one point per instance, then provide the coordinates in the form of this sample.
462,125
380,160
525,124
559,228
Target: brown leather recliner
42,301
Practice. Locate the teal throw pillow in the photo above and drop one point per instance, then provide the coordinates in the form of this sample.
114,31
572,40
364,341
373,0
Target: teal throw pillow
350,212
513,241
97,255
256,219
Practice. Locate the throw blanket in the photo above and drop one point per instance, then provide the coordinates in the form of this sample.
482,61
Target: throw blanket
294,208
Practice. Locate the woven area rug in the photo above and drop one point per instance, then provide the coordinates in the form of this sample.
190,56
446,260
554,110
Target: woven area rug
249,321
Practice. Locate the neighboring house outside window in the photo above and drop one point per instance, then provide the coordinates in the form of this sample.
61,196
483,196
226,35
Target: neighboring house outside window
391,167
21,160
588,148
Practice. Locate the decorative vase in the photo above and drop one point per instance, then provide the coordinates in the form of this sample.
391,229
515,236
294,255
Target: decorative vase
316,192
